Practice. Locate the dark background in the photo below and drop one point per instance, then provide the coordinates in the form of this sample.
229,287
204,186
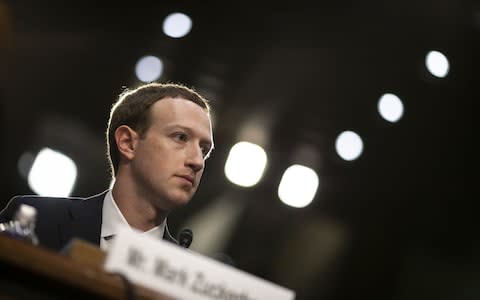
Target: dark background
398,223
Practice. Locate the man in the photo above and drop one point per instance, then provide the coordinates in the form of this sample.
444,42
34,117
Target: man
158,138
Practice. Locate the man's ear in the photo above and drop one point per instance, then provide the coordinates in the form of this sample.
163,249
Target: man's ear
126,139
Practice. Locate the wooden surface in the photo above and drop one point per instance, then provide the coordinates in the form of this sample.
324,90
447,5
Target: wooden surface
79,270
85,253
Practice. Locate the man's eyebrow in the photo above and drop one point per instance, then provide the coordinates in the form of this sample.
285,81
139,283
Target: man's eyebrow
191,131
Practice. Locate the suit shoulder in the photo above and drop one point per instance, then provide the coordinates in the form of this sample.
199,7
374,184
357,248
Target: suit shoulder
35,200
38,202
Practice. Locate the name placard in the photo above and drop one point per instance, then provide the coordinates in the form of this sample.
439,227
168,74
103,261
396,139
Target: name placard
183,274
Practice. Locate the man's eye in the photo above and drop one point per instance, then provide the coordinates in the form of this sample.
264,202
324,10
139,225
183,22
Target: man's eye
180,137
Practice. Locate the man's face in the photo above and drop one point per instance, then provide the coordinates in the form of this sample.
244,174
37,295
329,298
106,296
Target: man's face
170,158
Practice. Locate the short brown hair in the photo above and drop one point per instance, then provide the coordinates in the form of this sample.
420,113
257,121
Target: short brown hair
133,109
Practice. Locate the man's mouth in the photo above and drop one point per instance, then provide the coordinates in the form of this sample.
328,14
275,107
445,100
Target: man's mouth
189,178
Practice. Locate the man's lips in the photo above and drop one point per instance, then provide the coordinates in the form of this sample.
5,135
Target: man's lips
189,178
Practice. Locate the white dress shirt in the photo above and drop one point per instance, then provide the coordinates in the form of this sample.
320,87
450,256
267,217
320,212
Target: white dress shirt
113,219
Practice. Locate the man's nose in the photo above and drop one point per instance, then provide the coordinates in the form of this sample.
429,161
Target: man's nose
195,158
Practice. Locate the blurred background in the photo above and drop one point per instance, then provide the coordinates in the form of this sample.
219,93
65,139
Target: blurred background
343,130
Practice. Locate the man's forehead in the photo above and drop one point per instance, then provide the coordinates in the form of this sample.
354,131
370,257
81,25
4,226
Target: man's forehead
170,105
169,100
182,112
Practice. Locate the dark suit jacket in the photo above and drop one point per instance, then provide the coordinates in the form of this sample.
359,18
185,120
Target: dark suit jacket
61,219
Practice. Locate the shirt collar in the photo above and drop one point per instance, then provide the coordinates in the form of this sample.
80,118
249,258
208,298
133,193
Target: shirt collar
113,219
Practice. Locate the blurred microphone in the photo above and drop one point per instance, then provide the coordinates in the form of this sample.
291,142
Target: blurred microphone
223,258
23,224
185,238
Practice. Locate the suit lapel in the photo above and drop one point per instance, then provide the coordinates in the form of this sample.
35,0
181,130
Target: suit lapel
168,237
86,219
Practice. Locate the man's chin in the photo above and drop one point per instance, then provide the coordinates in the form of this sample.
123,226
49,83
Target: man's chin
178,200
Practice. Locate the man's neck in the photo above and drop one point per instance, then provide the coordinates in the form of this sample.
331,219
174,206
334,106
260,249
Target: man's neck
137,209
